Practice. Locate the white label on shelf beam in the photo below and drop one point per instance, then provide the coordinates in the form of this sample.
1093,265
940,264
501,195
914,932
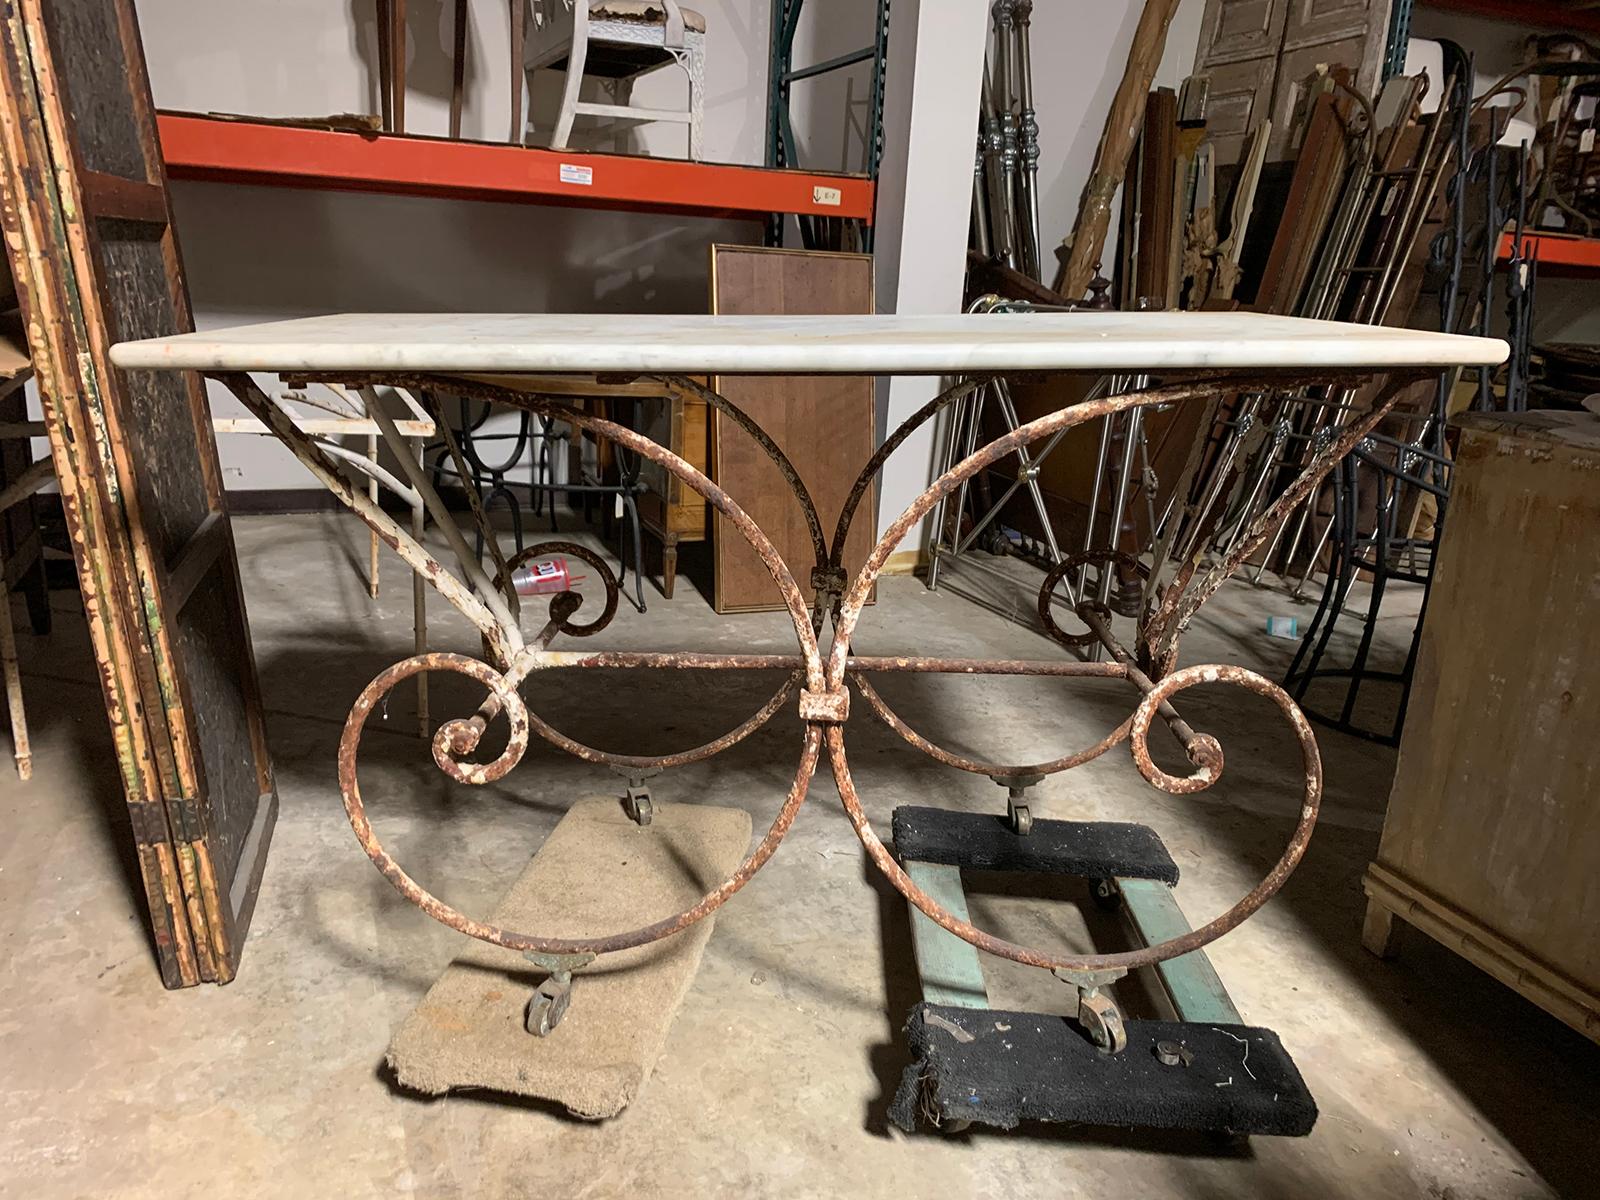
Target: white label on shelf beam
571,173
831,196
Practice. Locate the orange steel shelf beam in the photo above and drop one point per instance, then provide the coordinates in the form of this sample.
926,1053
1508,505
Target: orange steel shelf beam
208,148
1557,253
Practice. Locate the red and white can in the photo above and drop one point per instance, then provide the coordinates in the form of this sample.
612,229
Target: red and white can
542,578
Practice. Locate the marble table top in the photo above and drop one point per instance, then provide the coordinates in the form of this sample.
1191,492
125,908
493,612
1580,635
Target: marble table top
490,343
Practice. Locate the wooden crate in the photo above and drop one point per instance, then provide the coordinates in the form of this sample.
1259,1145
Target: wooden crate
1492,840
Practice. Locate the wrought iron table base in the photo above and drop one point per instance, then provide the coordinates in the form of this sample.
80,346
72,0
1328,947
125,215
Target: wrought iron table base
818,671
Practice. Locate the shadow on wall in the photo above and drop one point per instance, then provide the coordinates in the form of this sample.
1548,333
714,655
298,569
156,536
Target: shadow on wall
735,102
430,49
341,252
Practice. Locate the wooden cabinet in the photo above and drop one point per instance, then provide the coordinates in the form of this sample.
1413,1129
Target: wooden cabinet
1259,53
1492,840
672,511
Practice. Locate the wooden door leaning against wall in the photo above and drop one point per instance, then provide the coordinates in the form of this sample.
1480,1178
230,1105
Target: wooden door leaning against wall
86,183
1257,53
826,424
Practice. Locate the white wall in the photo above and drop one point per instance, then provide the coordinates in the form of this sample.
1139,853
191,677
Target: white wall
1079,51
259,254
288,58
264,253
930,124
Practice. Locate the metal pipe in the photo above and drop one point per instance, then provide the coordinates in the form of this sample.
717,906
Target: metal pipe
832,64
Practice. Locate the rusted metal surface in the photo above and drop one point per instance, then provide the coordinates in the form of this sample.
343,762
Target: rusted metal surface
1072,562
820,684
350,743
825,708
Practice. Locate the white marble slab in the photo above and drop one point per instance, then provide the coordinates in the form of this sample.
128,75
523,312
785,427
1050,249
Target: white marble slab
878,345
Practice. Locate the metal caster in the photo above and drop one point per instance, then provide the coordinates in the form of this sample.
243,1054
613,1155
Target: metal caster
1018,815
551,998
636,799
548,1006
1097,1012
1106,895
639,806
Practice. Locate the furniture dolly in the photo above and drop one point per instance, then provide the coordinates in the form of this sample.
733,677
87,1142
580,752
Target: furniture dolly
1151,1073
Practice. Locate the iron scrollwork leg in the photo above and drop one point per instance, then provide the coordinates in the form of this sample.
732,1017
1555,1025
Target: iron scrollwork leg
821,681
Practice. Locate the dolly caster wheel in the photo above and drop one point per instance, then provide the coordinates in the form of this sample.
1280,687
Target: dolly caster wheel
547,1007
1019,817
636,801
551,998
1106,895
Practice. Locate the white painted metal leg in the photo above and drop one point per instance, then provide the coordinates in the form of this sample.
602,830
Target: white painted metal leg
372,534
419,601
696,68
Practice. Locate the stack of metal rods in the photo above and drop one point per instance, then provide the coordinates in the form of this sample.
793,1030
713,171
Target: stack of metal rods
1391,186
1395,165
1387,480
1005,182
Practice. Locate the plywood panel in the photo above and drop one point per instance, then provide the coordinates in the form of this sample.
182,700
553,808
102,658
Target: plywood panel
825,424
1495,812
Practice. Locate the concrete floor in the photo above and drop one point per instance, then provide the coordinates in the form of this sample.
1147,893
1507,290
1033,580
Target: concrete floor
1432,1079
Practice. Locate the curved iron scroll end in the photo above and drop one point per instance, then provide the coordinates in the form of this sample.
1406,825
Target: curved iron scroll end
563,605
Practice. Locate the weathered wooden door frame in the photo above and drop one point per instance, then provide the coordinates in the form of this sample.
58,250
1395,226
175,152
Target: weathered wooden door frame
36,242
150,589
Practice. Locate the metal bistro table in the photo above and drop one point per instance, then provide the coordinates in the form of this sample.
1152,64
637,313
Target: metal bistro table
480,356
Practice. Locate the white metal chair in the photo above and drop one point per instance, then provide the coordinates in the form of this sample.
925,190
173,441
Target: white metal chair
616,40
